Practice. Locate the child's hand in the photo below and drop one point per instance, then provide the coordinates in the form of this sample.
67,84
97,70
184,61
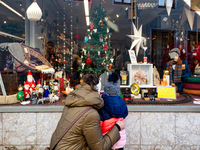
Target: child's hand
121,122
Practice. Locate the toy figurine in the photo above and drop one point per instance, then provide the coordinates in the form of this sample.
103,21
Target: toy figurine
31,82
26,91
20,94
34,98
46,90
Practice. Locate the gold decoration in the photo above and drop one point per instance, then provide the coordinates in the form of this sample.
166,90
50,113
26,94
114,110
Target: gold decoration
135,89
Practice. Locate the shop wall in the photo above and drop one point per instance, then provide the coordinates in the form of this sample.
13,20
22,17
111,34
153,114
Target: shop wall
145,130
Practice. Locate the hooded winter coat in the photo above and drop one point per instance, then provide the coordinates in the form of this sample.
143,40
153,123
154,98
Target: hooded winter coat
86,133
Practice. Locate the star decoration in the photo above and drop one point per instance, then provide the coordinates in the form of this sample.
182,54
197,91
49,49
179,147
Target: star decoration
138,39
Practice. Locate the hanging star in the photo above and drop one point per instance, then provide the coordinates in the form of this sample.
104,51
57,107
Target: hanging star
169,6
138,39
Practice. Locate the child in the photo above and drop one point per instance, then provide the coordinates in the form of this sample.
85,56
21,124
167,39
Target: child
114,109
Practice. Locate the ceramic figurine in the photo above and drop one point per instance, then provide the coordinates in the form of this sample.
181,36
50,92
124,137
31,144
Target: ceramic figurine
20,94
27,94
46,90
34,98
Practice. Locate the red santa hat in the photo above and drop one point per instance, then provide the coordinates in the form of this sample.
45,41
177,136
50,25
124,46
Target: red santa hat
29,73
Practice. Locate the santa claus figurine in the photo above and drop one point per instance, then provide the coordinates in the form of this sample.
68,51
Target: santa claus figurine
31,82
27,93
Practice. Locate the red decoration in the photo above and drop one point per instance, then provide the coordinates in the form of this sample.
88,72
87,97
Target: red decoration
52,57
196,52
103,1
77,36
105,47
91,26
103,55
88,61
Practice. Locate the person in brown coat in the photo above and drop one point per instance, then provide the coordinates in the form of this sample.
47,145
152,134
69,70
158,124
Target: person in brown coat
86,133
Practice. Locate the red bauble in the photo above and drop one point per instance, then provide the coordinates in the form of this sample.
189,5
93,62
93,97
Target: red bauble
103,55
77,36
52,57
105,47
88,61
91,26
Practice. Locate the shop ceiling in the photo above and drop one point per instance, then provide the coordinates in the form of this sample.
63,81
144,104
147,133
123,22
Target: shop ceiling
51,7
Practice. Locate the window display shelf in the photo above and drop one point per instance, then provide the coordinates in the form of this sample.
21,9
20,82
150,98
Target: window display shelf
147,68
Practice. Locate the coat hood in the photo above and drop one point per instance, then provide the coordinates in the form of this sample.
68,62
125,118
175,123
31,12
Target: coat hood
83,95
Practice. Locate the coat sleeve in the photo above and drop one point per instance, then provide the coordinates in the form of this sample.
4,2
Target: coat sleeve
93,134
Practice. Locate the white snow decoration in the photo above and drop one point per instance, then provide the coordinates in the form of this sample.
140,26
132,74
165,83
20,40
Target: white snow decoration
140,77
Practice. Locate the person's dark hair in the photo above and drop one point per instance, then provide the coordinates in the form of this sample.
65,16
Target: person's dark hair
118,52
92,80
113,77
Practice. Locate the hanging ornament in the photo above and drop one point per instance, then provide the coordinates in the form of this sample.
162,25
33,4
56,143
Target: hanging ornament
83,64
89,37
105,47
103,63
91,26
77,36
99,53
111,59
88,61
64,31
84,51
34,12
86,39
100,39
95,30
52,57
138,39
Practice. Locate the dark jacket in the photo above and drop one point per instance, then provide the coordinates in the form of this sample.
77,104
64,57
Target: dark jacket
114,106
86,133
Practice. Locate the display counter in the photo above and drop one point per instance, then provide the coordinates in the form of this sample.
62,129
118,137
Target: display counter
147,126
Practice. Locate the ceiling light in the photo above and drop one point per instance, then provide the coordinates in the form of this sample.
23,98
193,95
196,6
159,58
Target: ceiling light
4,22
117,15
126,8
86,6
20,4
34,12
1,2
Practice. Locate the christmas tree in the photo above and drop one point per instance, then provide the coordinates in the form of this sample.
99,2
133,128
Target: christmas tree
96,56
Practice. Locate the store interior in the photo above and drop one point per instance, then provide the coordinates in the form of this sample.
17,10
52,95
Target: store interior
63,39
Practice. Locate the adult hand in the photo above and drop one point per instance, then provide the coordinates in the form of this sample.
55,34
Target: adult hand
121,122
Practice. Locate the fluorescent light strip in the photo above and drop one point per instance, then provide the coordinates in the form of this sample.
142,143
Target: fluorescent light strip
86,6
11,9
10,35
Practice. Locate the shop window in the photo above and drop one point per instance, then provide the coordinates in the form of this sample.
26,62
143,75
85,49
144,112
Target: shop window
165,3
122,2
162,43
